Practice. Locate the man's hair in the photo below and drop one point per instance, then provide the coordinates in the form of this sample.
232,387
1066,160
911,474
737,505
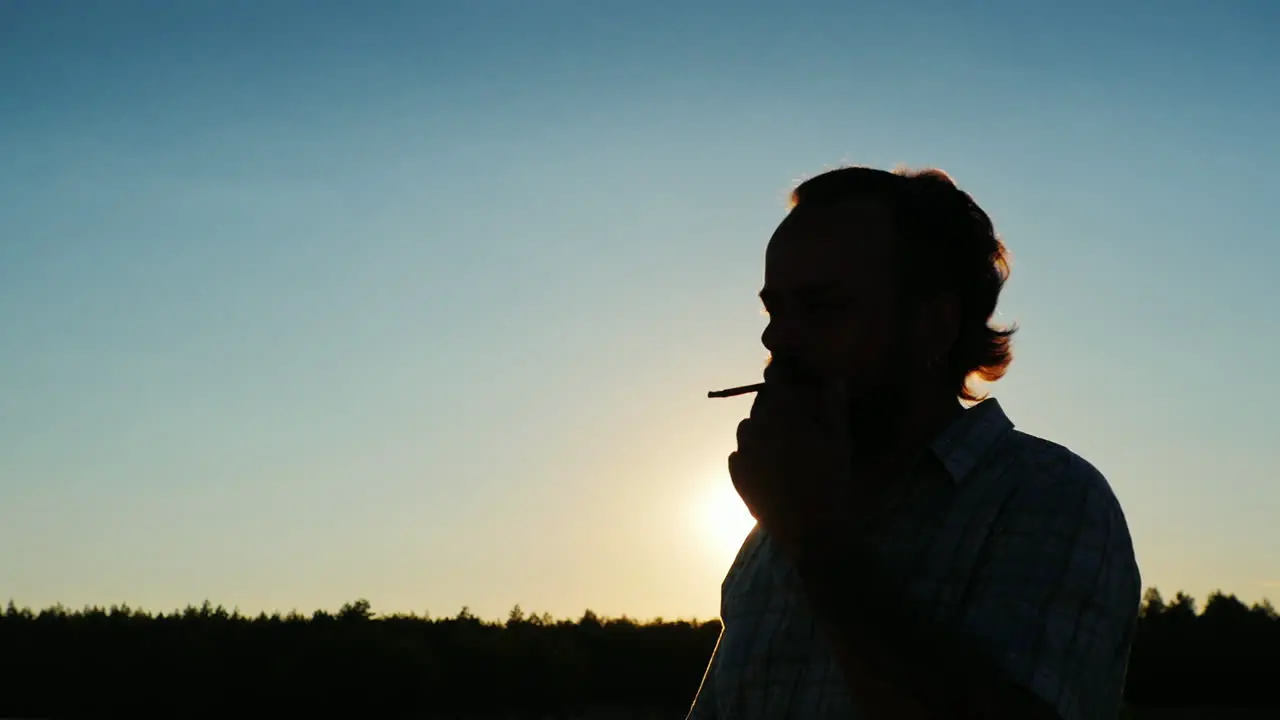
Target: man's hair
945,244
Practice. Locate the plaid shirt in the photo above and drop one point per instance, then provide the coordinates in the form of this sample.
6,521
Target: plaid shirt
1015,545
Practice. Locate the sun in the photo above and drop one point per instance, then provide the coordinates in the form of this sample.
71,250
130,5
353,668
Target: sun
723,518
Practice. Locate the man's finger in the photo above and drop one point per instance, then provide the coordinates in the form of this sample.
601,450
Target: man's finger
786,400
742,482
737,475
743,435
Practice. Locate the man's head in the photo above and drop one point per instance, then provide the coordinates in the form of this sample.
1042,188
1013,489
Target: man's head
888,280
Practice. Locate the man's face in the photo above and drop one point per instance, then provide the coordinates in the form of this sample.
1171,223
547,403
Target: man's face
831,294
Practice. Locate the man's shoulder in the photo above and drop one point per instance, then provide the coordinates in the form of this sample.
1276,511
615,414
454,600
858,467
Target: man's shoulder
1044,466
1060,567
1057,489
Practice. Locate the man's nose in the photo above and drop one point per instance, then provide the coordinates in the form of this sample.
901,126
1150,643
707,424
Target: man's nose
769,338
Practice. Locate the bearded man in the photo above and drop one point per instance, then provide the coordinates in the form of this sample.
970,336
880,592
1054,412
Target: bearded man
915,556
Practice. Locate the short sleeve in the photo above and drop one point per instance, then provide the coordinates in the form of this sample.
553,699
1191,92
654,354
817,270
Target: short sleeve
1055,599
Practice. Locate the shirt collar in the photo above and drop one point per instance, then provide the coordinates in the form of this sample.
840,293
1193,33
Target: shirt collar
965,442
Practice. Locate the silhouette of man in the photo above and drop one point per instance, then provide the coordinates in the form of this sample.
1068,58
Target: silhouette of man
912,558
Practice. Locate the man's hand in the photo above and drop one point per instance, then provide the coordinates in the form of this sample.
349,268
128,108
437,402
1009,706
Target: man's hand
792,466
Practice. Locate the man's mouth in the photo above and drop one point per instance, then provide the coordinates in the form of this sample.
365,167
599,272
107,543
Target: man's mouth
790,369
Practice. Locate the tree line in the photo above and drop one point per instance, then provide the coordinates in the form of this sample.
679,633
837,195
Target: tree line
207,661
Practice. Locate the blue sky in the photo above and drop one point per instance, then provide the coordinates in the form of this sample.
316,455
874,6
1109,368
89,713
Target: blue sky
418,301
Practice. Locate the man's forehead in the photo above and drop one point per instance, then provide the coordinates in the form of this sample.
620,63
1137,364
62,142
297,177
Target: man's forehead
826,244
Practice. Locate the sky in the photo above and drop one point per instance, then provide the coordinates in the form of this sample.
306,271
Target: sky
303,302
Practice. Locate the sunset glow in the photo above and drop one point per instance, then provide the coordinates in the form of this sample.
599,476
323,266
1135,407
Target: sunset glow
725,520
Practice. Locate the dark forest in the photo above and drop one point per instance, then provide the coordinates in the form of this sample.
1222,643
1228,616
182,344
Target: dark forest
206,661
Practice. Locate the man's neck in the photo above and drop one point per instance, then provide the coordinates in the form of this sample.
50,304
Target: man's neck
896,436
927,416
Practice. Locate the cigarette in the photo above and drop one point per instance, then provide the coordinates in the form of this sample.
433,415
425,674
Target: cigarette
732,392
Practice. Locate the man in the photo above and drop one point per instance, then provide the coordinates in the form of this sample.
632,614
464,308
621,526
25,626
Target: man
912,558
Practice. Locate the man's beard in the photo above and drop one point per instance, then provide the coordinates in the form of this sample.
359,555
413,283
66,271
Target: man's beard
879,403
876,415
878,398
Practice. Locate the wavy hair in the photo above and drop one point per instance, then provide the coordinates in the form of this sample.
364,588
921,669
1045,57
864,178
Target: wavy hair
946,243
